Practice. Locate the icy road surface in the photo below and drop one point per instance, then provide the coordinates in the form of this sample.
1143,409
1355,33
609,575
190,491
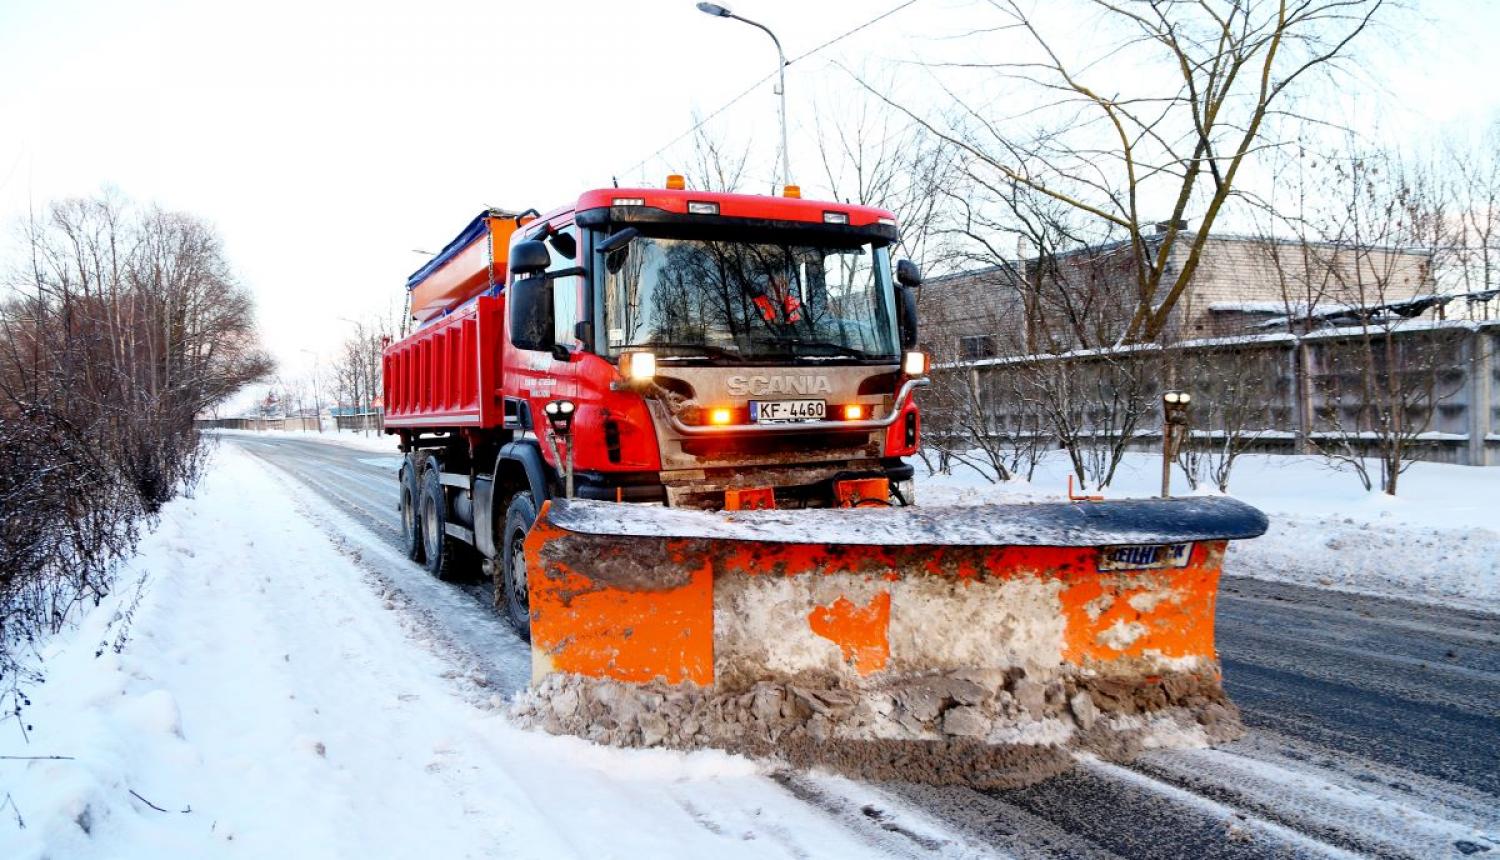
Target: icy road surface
1375,731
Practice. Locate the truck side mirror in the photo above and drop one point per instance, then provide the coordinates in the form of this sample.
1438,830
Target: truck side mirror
529,257
906,315
531,318
907,274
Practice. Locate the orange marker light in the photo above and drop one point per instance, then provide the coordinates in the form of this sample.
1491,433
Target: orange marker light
854,412
676,182
720,416
792,191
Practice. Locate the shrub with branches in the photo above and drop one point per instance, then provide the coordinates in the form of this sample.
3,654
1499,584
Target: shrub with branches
120,326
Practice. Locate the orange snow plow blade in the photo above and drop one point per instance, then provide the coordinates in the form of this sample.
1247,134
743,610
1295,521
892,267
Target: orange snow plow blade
866,633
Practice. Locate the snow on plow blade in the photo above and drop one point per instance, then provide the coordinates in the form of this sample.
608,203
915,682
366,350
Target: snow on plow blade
969,644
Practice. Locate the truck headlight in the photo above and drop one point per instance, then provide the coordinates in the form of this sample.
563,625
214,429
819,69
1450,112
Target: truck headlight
914,364
638,366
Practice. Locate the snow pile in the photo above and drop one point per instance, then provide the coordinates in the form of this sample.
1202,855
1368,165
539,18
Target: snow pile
1438,541
986,728
272,702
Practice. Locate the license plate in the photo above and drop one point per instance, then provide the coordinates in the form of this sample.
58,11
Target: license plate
1145,557
787,411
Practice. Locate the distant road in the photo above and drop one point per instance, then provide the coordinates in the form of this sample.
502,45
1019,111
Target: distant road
1374,727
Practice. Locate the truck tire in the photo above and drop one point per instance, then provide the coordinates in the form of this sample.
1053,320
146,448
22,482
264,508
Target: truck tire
510,587
411,517
443,556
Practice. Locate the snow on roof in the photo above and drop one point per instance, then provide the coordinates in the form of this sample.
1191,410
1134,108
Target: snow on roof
1254,307
1333,333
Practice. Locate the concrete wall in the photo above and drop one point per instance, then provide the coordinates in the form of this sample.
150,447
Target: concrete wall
258,424
1286,393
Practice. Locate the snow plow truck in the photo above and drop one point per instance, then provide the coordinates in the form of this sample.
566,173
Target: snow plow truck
671,427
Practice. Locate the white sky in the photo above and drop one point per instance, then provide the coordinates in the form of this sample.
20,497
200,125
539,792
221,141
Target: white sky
326,140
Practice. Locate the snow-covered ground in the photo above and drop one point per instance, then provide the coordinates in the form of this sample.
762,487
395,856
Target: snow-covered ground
1437,541
272,701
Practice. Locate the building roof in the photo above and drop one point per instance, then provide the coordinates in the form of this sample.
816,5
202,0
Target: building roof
1011,266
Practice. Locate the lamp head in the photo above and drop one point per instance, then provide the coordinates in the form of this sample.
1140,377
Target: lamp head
560,415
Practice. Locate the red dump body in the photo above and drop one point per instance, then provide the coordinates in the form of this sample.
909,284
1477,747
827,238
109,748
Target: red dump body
448,373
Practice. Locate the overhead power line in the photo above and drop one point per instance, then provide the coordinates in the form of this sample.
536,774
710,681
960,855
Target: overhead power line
753,87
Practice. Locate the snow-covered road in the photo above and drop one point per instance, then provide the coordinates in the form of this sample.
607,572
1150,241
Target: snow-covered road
310,693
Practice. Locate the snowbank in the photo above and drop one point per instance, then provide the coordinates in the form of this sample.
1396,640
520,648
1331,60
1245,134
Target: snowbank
270,702
1438,541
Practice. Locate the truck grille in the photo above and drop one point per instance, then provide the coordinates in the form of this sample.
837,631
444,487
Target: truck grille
715,447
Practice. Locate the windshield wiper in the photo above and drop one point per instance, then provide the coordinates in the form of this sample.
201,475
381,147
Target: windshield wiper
839,348
710,349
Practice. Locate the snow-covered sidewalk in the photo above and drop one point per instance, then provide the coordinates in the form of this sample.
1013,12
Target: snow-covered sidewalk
270,702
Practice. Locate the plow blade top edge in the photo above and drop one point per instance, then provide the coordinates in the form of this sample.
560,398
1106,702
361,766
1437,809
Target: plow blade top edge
1058,524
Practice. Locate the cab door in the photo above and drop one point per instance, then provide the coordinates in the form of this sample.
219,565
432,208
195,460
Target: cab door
547,375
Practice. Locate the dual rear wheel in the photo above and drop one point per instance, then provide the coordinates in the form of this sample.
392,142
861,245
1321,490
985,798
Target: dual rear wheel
424,518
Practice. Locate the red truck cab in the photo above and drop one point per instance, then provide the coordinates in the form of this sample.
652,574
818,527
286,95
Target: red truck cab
706,344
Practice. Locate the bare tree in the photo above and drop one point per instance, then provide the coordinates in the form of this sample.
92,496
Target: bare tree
715,164
872,155
1473,266
1045,371
1156,117
1384,222
120,326
1001,414
356,368
967,422
1234,383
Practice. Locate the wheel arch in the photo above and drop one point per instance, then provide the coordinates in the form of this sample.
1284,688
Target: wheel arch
520,466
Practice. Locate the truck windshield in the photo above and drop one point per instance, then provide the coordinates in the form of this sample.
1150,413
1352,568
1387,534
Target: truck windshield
730,300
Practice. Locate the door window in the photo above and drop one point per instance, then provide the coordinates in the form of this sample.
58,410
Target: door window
565,306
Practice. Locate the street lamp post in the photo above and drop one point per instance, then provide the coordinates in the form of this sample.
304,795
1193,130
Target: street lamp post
720,12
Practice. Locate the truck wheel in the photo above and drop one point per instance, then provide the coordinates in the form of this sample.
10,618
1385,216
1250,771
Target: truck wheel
411,521
443,555
510,588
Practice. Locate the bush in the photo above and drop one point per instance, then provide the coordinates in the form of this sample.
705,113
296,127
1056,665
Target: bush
123,326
